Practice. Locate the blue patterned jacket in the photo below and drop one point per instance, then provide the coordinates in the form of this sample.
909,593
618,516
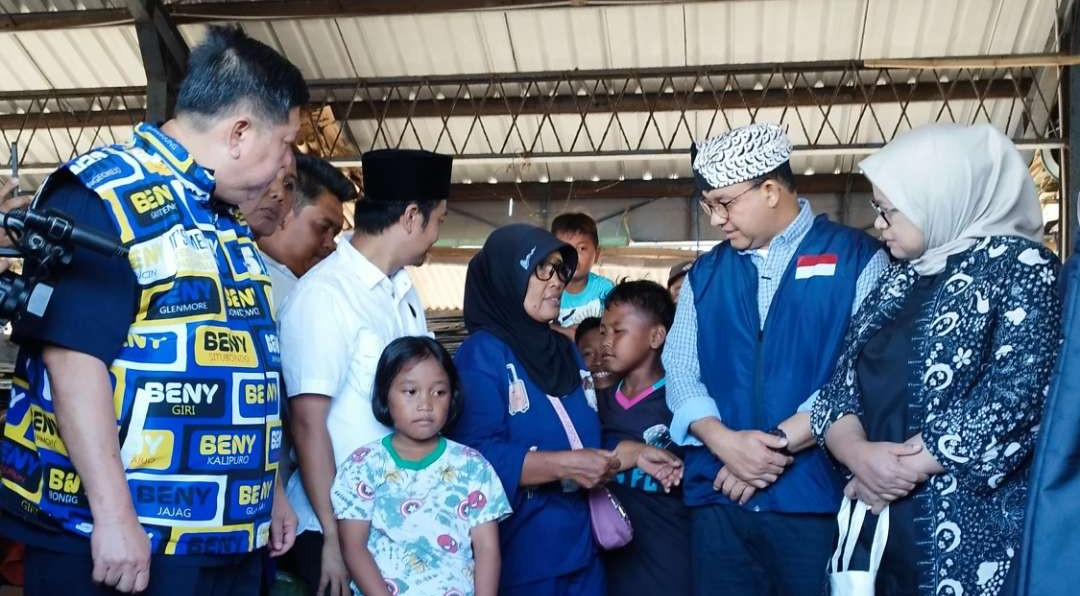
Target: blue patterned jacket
986,345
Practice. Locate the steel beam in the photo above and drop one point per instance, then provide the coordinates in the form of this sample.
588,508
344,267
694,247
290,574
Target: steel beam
208,12
164,55
635,189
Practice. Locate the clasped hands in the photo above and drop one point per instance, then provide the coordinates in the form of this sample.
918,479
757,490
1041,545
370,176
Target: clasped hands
883,472
752,461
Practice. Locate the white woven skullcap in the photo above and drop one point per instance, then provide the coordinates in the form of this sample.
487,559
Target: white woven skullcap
742,154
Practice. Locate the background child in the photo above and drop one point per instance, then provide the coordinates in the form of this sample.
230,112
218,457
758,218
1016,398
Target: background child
418,514
584,294
634,414
589,342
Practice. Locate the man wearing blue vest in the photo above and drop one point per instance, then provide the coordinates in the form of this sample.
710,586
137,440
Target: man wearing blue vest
141,445
756,333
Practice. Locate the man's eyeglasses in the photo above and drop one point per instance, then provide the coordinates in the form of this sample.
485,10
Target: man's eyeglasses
547,269
724,208
882,212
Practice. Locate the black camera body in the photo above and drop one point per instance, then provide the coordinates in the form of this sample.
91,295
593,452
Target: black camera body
46,241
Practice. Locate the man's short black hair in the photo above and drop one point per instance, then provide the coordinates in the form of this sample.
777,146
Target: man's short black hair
315,176
576,223
400,353
586,325
781,174
229,69
371,217
647,297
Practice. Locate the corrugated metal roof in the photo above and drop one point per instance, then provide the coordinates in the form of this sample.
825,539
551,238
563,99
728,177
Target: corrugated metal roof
628,36
608,37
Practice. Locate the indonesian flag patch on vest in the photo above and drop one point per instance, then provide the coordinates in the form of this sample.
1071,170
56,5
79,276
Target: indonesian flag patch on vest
815,266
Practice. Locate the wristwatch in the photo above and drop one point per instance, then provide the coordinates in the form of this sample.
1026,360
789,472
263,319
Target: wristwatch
779,432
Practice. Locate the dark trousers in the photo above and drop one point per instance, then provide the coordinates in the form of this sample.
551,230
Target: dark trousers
304,559
740,552
50,573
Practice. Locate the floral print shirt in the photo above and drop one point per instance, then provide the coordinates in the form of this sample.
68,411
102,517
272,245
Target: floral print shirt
421,513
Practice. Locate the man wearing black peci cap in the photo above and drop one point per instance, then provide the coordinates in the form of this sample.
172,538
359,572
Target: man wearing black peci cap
334,326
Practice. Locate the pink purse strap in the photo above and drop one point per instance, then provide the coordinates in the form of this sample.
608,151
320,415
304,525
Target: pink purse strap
567,424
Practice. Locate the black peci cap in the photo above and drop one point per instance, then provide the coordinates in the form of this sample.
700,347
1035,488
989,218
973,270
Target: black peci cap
406,175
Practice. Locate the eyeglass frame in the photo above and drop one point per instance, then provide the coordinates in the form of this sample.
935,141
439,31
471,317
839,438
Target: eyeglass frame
883,212
708,206
563,270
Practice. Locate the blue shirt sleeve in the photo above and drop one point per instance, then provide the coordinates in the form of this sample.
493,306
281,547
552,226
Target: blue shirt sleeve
687,397
868,278
484,423
94,300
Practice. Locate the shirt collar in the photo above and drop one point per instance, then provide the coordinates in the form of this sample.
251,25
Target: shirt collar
793,234
149,138
370,275
273,263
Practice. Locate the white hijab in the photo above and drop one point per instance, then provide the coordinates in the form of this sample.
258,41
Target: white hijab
958,184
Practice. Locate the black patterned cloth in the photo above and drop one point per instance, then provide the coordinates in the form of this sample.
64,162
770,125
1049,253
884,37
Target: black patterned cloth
984,348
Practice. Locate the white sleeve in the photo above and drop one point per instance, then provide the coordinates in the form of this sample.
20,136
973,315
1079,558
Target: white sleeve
315,338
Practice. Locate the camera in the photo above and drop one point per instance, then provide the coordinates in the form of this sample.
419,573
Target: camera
46,241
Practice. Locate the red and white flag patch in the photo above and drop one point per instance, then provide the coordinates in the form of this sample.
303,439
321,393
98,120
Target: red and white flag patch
815,266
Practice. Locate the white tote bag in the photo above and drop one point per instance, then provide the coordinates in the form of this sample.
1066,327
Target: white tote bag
843,580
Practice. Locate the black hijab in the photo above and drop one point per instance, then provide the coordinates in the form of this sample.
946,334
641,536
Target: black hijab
495,287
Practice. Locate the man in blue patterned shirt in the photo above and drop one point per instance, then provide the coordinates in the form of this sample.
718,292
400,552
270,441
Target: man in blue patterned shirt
772,304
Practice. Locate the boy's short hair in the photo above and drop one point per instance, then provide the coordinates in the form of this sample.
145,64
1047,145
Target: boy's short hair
576,223
585,326
646,296
400,353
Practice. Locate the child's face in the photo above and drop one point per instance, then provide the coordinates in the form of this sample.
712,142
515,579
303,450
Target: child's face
420,399
587,251
630,337
592,351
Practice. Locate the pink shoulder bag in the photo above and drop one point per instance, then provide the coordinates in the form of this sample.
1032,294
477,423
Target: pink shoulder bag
610,525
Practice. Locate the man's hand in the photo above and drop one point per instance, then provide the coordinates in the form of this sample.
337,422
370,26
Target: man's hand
589,468
878,467
752,456
733,487
120,550
662,465
333,576
283,522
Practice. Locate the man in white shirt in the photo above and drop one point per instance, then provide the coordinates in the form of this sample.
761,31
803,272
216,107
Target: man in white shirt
334,326
308,230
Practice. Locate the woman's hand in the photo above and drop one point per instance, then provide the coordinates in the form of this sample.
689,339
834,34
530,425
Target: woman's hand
662,465
878,468
589,468
857,490
922,462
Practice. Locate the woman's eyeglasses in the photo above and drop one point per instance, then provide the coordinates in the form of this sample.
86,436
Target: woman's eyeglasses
546,270
882,212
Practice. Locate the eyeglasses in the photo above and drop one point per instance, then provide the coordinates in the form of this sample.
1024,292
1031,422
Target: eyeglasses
717,208
545,270
882,212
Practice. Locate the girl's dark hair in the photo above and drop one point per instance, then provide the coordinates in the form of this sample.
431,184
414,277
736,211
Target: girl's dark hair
400,353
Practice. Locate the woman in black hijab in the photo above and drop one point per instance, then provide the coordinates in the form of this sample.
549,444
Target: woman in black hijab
514,369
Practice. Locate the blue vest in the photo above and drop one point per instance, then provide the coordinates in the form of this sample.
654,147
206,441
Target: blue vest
759,376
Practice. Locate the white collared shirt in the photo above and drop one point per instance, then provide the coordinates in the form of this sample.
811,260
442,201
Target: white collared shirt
334,326
282,280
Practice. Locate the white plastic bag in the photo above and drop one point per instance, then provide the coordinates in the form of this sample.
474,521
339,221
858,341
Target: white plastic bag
843,580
